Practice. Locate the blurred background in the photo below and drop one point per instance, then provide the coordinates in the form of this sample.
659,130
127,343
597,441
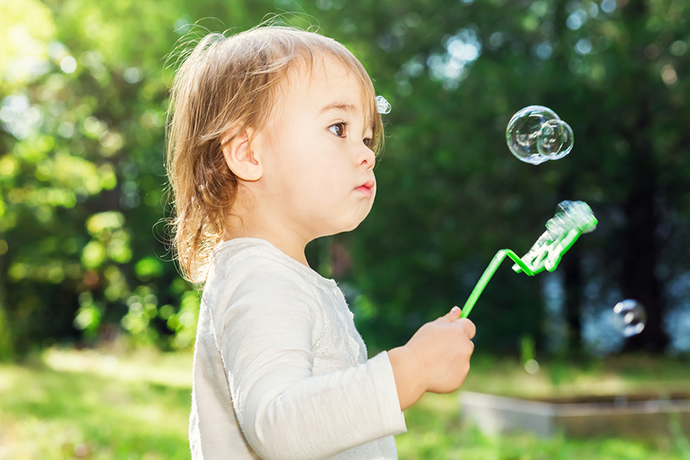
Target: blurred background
84,259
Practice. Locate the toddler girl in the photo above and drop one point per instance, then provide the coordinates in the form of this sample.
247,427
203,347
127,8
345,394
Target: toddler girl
273,142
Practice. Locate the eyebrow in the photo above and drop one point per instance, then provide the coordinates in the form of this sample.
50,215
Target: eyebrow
339,106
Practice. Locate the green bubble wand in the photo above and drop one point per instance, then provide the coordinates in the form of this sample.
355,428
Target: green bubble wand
572,219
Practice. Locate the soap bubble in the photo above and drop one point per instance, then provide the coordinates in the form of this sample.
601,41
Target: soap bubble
629,317
532,366
555,139
382,105
536,134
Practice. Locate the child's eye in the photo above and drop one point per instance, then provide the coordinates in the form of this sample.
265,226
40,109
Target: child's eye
338,129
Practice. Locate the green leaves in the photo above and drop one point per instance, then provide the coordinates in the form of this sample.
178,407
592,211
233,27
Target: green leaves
83,100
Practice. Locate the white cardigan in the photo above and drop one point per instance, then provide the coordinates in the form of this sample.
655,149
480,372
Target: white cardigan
280,372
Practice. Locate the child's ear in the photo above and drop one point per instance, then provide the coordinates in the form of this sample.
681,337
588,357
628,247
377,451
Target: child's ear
240,158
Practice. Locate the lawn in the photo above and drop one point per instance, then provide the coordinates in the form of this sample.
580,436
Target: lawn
67,404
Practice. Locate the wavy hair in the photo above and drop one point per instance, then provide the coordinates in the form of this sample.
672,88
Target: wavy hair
228,84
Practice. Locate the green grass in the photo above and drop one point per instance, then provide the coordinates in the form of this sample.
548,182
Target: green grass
613,375
89,405
435,432
86,404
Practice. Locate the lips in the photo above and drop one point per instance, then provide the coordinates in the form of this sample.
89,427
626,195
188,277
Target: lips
366,187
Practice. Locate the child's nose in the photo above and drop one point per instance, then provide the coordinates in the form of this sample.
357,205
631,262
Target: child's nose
366,157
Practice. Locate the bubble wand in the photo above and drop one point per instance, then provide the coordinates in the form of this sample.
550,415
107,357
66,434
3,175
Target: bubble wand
572,219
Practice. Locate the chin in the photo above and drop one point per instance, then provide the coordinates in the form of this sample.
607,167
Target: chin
342,229
354,225
347,225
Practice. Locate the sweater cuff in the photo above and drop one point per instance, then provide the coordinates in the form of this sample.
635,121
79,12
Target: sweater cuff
394,418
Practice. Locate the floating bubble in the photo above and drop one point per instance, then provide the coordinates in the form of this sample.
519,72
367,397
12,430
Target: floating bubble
536,134
555,139
629,317
532,366
382,105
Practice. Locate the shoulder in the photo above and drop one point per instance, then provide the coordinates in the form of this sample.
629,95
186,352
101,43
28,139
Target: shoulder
250,261
251,281
254,270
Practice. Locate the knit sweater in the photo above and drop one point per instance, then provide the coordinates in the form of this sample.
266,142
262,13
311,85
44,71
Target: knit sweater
280,372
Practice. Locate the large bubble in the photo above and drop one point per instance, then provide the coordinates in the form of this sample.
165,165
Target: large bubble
536,134
629,317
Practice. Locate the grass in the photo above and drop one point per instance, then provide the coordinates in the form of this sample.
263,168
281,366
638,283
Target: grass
69,404
434,432
612,375
95,406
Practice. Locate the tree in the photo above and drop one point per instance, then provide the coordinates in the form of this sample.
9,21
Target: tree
84,98
450,196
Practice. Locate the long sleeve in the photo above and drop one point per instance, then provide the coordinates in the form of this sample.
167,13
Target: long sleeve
267,336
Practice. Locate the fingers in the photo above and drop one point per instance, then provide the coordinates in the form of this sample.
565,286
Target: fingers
468,326
452,315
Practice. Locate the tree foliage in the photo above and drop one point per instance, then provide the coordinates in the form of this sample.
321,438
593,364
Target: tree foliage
451,195
84,91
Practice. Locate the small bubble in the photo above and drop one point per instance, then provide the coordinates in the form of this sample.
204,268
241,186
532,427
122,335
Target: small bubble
536,134
531,366
555,139
382,105
629,317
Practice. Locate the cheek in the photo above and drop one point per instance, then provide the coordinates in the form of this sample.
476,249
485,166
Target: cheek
321,185
333,176
325,165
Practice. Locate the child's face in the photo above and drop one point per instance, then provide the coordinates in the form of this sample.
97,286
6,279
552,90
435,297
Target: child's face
318,170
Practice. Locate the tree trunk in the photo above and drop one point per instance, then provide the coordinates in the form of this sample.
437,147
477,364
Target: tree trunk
572,289
640,246
572,281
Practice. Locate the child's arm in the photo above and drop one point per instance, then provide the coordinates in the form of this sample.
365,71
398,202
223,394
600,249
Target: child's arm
266,338
436,359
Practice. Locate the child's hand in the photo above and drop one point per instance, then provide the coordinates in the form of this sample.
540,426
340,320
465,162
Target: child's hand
436,359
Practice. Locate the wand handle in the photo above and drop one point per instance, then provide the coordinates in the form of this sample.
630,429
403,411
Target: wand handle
488,273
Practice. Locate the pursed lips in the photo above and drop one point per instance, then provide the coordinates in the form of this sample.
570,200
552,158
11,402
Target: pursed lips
366,187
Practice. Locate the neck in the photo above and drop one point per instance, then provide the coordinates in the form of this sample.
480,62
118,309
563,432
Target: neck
253,225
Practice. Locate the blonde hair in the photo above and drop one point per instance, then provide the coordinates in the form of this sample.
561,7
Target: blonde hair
226,85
